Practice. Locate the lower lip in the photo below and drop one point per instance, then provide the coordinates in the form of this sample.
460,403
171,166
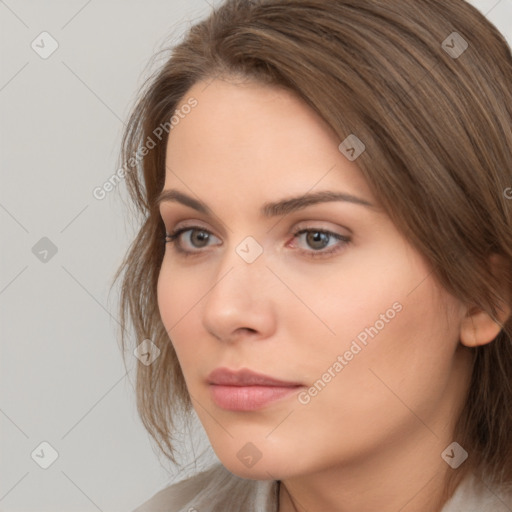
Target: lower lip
249,398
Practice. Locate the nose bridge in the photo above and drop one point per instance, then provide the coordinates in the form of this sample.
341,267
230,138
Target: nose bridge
242,269
239,298
237,282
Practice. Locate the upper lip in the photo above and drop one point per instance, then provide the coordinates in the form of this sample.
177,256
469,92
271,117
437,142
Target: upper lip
245,377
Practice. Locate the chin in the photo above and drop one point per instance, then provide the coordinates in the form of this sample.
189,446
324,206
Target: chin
269,469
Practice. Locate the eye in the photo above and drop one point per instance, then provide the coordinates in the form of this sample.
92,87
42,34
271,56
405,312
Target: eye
318,242
191,239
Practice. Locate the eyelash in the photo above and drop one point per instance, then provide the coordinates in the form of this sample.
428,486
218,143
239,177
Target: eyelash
173,238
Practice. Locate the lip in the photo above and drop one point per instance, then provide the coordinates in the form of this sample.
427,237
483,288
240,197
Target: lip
245,377
245,390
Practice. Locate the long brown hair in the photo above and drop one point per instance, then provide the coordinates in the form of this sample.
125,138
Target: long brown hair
426,85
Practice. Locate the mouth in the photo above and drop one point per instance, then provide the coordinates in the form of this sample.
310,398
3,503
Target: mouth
245,390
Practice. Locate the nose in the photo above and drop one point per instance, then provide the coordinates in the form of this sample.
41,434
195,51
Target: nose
240,303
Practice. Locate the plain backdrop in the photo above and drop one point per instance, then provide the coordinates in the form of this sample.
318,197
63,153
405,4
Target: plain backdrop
62,379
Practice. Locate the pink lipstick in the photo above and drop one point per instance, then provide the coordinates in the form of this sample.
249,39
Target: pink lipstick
245,390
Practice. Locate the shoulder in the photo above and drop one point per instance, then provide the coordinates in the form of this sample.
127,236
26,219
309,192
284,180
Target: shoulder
215,489
472,495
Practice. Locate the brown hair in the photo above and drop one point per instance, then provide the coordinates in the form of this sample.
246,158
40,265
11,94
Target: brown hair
437,129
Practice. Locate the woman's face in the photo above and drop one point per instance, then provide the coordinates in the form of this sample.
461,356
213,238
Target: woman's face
284,265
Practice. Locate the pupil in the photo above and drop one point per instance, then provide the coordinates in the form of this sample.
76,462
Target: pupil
199,238
317,240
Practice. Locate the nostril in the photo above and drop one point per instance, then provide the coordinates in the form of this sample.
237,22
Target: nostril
247,330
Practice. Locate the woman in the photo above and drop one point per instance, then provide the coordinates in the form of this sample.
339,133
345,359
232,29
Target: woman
324,268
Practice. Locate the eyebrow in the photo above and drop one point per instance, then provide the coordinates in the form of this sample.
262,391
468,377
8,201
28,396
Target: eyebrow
275,209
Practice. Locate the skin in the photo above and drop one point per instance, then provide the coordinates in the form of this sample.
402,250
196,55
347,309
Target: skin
371,439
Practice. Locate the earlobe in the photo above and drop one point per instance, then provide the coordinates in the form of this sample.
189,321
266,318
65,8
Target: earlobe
478,327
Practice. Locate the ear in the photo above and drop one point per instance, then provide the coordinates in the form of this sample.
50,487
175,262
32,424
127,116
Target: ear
477,327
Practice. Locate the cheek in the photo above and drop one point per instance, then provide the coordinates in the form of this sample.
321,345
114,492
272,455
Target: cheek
359,301
168,305
394,330
178,295
394,367
378,396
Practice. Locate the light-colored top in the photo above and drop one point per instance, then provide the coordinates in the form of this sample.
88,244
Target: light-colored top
208,490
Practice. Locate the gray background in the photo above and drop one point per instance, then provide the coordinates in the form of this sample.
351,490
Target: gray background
62,377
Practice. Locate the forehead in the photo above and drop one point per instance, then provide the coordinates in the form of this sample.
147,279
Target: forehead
259,137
